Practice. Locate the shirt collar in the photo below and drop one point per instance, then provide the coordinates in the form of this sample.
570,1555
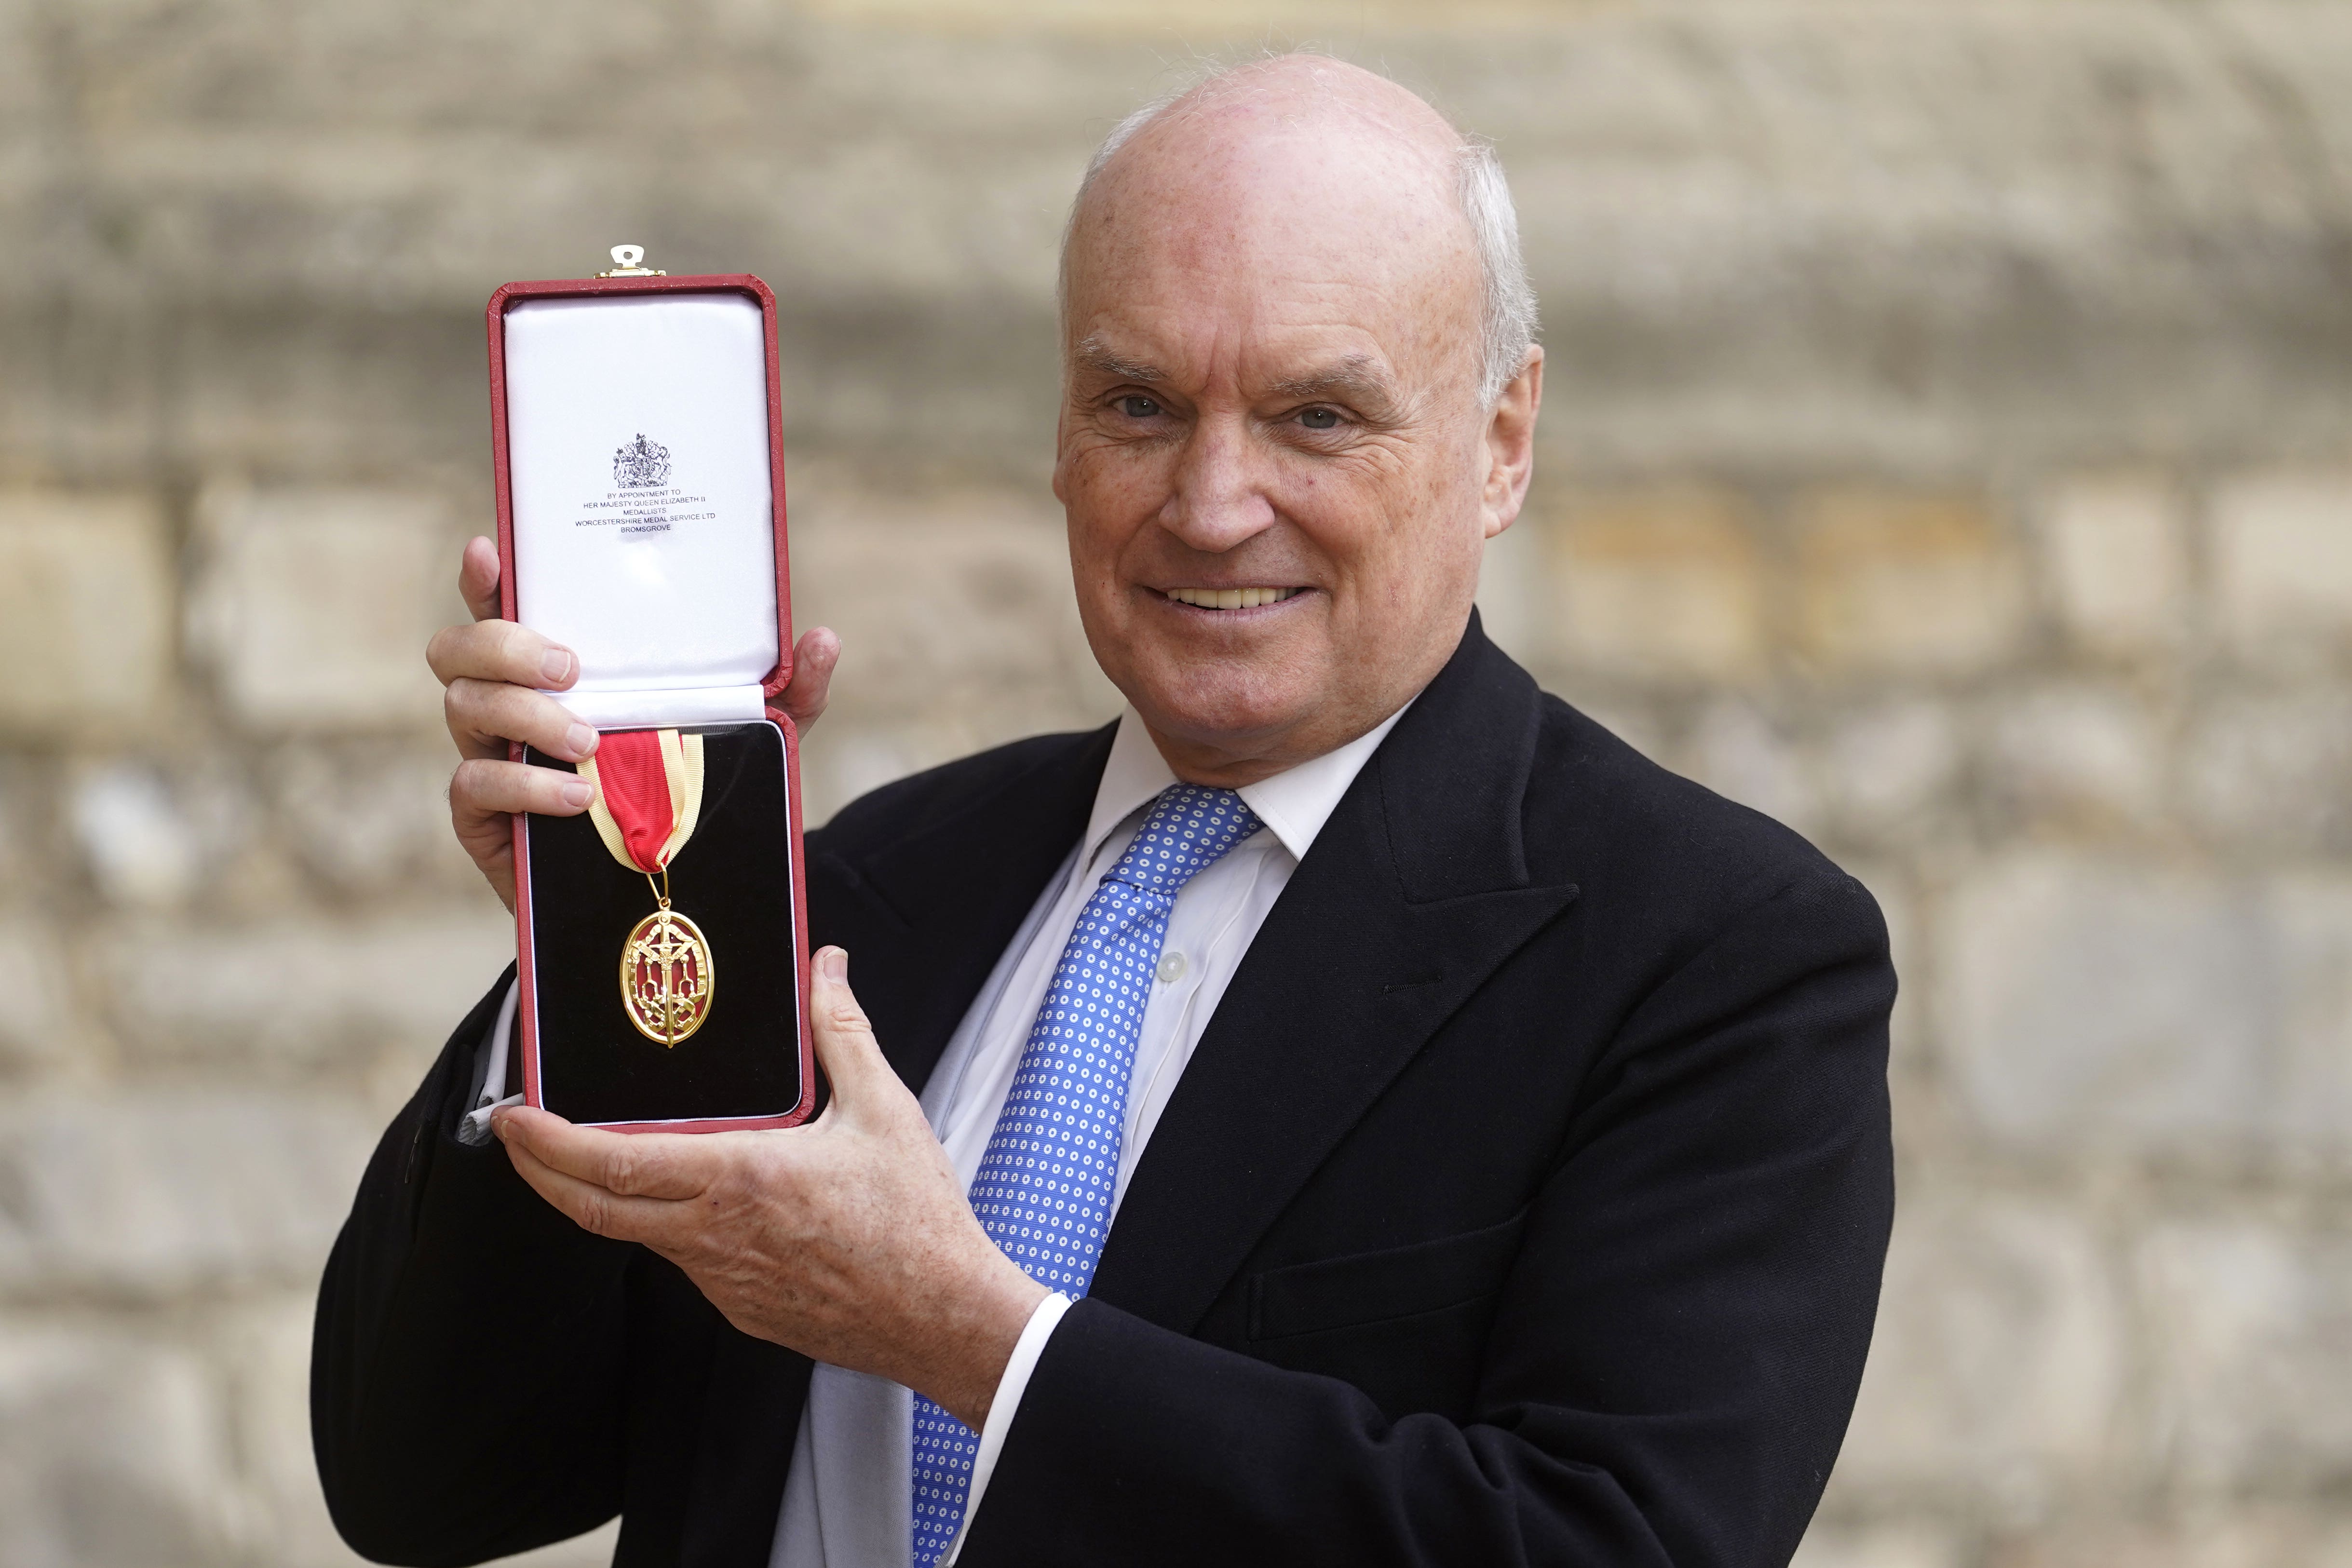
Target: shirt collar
1294,804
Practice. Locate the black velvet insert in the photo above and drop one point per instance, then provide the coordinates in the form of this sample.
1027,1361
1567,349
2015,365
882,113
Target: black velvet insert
733,880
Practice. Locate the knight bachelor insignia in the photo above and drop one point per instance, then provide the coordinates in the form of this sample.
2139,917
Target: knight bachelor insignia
667,978
641,464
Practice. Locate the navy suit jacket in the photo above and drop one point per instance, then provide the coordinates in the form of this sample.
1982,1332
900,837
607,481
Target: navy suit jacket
1524,1203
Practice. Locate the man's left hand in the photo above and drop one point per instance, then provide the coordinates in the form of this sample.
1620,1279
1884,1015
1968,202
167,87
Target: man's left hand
848,1239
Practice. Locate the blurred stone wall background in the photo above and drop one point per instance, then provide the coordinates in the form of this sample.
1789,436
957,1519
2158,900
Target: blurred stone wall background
1947,451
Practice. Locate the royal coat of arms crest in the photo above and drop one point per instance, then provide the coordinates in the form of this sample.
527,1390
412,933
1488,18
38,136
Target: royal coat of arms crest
641,464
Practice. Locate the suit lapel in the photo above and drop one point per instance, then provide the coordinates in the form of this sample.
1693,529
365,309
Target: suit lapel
925,917
1415,892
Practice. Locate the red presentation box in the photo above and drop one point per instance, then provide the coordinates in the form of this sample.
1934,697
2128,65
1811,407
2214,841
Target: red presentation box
636,431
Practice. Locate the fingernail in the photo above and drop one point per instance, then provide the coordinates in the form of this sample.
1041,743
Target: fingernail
577,792
499,1123
555,666
582,737
834,964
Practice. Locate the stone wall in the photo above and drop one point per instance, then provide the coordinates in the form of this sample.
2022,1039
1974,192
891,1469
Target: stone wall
1945,452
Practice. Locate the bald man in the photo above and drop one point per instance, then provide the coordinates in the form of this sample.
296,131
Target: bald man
1351,1109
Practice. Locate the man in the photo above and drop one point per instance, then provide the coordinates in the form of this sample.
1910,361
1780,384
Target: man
1368,1114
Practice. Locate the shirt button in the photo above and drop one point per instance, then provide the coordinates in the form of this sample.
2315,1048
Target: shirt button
1172,968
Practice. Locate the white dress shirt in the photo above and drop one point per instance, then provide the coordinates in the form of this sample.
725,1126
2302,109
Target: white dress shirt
847,1504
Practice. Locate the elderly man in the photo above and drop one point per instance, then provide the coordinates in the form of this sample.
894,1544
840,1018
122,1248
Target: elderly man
1367,1114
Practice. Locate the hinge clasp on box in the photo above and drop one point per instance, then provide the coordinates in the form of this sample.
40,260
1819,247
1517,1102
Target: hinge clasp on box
625,263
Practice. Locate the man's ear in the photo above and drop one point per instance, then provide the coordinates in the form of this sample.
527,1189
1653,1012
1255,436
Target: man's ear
1511,445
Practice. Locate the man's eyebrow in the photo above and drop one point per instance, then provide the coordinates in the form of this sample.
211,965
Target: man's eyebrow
1092,355
1357,378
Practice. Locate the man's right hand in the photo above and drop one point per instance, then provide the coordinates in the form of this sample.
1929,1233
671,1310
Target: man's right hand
496,674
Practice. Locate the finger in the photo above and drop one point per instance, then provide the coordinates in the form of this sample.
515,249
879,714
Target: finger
664,1166
805,695
493,856
484,792
594,1209
484,715
478,578
845,1047
502,651
483,795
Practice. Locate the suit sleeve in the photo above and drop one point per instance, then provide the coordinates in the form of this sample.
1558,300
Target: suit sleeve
468,1360
1674,1358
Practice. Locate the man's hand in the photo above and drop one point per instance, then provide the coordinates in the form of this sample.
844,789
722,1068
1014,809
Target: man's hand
496,674
848,1239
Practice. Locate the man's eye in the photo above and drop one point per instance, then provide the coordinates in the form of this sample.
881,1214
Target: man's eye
1134,405
1320,418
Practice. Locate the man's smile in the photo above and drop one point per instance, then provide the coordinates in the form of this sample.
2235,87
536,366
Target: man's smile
1230,598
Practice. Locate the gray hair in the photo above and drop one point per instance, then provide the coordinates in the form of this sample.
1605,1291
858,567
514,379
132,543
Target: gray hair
1509,300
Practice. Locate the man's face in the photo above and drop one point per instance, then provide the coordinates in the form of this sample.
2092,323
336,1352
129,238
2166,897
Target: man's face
1278,468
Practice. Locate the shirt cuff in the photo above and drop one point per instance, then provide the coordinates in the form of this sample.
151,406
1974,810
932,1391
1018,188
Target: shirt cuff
490,1071
1006,1405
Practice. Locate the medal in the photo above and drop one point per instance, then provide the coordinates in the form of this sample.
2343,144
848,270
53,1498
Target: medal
648,798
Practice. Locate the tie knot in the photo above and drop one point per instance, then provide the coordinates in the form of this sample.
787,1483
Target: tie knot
1189,830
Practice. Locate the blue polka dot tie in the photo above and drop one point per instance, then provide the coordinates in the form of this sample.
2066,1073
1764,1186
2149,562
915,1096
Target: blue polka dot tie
1042,1192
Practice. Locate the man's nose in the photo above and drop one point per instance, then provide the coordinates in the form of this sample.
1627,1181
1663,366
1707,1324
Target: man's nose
1219,497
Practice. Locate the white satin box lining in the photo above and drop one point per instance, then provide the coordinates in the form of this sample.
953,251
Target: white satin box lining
643,512
667,708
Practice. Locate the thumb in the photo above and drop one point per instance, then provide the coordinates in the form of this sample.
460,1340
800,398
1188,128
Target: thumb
805,695
845,1047
478,578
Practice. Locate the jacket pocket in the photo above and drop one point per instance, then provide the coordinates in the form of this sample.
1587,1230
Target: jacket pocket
1375,1287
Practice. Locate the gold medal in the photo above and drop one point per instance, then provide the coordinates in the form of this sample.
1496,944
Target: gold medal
667,976
648,800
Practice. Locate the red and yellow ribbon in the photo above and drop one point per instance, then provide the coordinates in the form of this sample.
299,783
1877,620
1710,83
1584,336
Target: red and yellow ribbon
648,798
